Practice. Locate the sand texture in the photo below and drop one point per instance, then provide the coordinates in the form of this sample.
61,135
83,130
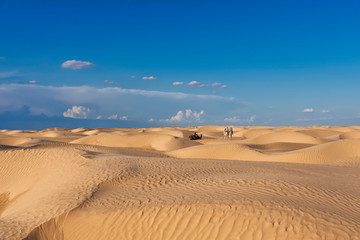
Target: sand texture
268,183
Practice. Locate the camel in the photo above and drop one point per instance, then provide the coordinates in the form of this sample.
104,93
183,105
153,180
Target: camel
228,132
195,136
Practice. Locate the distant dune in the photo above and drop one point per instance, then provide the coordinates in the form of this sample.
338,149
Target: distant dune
154,183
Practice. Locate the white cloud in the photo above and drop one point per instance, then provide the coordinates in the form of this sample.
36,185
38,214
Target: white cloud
188,113
33,82
113,116
178,83
132,77
80,112
199,84
189,116
149,78
177,118
76,65
307,110
151,120
194,84
124,118
325,111
99,117
235,119
217,85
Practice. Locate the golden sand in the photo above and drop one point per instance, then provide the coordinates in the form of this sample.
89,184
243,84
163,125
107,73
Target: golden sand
267,183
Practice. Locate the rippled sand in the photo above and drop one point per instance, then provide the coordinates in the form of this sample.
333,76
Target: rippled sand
265,183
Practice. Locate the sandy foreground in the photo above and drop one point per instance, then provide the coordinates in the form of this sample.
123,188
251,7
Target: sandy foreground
266,183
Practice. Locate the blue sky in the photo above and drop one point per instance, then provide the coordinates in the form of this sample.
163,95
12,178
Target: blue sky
138,63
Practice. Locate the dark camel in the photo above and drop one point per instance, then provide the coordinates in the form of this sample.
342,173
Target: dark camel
195,136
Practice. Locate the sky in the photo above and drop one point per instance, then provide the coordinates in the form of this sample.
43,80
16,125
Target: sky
151,63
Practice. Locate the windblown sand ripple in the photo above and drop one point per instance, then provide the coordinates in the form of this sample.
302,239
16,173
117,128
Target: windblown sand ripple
157,184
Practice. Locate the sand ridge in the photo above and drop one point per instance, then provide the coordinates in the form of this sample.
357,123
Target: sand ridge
265,183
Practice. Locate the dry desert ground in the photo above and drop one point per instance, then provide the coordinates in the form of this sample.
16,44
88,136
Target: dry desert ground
267,183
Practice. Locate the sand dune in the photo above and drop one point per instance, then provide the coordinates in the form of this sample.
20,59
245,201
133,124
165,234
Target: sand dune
252,133
350,135
160,142
333,152
320,133
266,183
294,137
279,146
16,141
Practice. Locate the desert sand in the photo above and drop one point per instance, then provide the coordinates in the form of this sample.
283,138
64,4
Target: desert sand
267,183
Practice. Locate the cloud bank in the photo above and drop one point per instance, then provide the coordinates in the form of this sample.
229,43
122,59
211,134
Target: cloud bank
85,102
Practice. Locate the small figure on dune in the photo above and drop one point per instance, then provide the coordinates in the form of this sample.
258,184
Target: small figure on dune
228,132
231,132
195,136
